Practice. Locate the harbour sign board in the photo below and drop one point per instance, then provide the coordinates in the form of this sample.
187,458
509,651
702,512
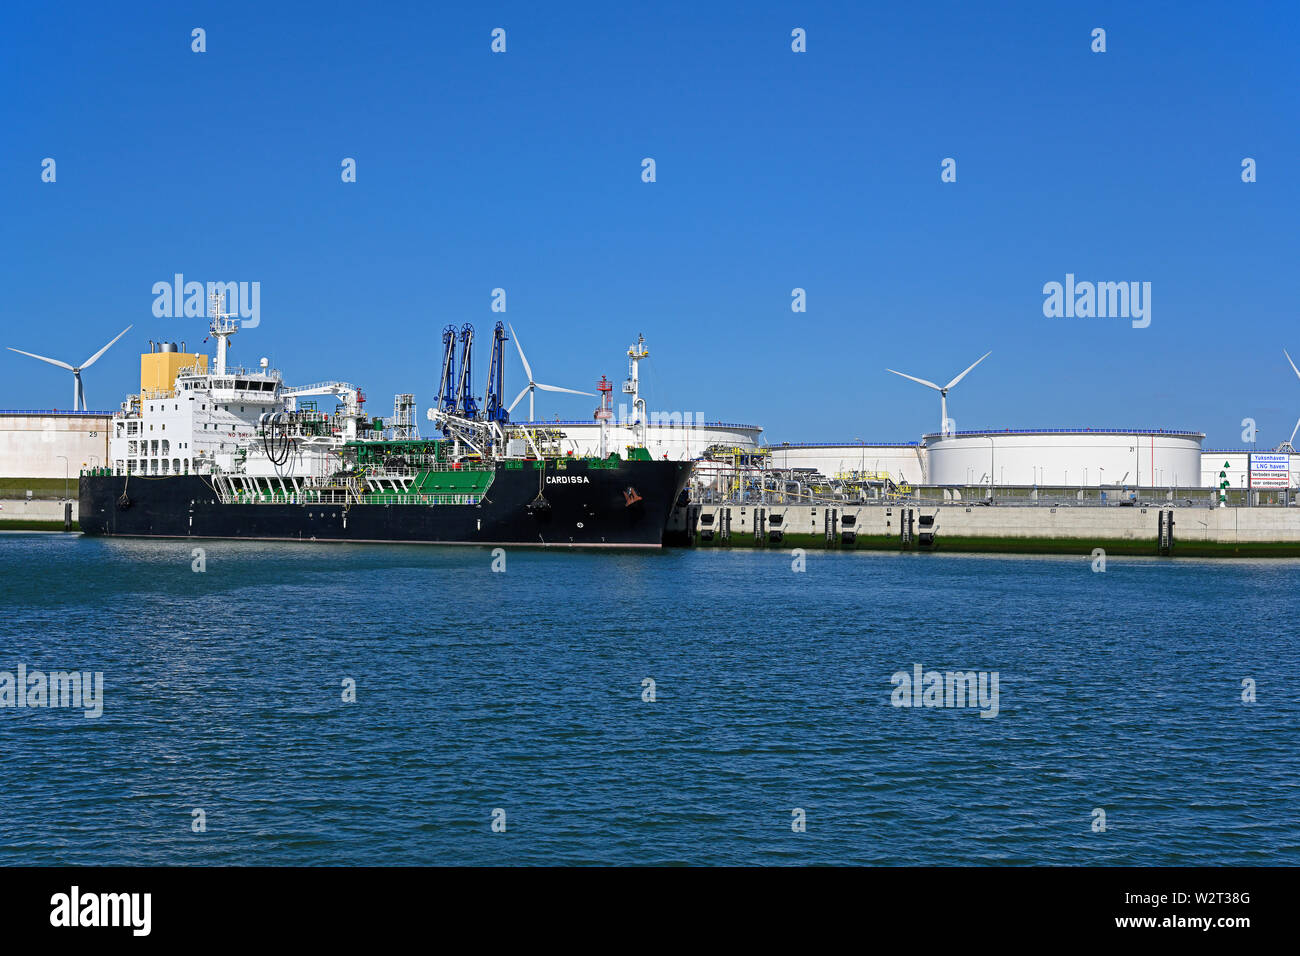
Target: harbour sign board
1270,471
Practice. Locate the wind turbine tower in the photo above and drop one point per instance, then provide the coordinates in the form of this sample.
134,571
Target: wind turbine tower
78,391
1289,444
533,385
942,390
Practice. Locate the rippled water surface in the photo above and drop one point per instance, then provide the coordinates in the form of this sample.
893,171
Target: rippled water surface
522,690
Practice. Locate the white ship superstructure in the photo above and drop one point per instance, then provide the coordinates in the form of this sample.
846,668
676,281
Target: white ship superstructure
189,419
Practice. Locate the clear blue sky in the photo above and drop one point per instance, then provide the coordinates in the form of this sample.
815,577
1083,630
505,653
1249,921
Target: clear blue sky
775,170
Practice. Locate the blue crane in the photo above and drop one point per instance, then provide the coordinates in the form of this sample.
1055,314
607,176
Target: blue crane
466,407
447,387
496,410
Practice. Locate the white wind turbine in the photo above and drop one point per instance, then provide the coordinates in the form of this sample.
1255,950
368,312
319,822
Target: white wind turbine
78,392
532,385
1289,444
943,390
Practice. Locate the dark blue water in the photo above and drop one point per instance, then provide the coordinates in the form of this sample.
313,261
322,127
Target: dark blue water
523,691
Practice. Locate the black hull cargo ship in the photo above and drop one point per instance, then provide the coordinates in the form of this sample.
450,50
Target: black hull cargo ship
581,502
232,452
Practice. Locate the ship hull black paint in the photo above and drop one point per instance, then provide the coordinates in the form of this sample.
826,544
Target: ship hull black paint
588,507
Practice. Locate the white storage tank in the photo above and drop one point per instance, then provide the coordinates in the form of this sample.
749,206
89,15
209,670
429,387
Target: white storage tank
677,442
904,462
48,443
1083,457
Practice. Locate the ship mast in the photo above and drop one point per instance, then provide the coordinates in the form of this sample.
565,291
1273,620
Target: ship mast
222,326
605,412
633,387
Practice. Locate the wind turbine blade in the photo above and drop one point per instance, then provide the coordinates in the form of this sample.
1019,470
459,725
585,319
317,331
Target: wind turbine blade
1293,368
41,357
527,370
964,374
91,361
1293,431
519,398
915,379
556,388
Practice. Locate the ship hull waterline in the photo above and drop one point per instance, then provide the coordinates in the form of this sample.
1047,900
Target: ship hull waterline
582,506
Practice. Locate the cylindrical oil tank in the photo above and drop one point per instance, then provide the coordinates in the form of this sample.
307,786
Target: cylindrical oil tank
1084,457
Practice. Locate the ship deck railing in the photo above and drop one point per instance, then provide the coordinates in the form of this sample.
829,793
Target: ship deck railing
347,498
381,471
400,498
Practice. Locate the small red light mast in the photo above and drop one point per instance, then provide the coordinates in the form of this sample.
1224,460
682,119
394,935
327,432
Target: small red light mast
605,413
